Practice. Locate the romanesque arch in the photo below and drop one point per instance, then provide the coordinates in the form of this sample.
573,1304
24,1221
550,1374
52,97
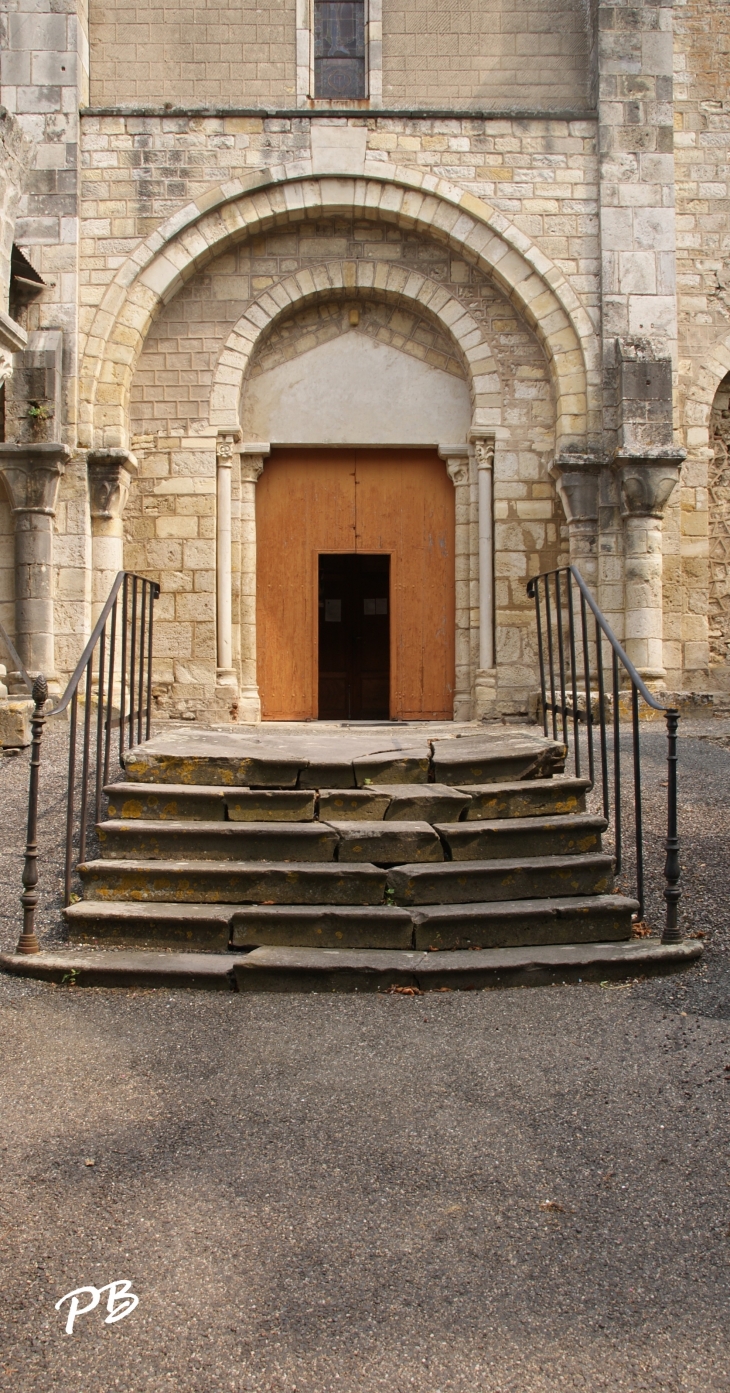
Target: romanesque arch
380,279
202,230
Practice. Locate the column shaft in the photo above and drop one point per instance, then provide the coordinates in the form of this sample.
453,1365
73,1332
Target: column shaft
457,466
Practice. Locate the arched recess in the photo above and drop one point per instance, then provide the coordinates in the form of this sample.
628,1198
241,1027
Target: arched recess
202,230
381,280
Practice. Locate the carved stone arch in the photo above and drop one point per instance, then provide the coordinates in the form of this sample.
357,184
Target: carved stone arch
380,280
202,230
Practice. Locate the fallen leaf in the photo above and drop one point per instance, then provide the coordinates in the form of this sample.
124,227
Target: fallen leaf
406,991
553,1206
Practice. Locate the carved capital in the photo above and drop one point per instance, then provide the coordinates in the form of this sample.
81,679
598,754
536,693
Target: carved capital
576,478
31,474
254,454
484,451
646,482
110,475
252,467
456,458
6,365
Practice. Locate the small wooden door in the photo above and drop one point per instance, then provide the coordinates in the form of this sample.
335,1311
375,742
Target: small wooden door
393,503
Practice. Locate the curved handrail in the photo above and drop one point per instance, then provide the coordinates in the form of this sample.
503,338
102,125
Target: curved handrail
559,634
116,670
605,627
83,662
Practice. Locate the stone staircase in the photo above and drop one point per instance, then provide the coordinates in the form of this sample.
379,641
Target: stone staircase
326,857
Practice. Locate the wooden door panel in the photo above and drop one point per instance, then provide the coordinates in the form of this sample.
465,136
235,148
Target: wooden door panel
405,504
305,503
396,502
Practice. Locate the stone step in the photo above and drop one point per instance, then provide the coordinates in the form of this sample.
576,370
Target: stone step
353,970
564,835
525,798
211,928
494,759
340,759
387,843
572,919
400,802
322,926
232,882
528,878
125,923
330,970
217,841
209,803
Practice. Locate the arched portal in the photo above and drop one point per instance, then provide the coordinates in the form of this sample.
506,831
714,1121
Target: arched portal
474,373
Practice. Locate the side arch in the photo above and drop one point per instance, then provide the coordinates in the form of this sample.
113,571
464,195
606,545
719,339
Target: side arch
202,230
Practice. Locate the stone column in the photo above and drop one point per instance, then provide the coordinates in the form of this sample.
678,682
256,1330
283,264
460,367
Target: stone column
253,456
645,484
226,675
486,679
576,478
110,475
456,458
31,474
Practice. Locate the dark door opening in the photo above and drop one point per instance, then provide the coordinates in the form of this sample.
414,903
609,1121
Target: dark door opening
354,637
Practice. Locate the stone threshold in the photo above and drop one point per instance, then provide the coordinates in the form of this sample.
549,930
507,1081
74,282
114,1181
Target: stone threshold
355,970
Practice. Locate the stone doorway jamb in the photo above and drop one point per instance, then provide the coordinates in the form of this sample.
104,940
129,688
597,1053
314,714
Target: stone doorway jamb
456,458
251,456
485,685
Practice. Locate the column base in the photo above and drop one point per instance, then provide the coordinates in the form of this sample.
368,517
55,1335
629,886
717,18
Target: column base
462,707
485,693
226,677
249,706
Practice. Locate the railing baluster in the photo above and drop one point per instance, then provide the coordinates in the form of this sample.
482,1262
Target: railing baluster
616,764
148,720
638,828
100,725
551,656
85,763
672,932
540,651
602,717
123,686
573,676
110,689
71,797
587,681
132,660
561,655
140,693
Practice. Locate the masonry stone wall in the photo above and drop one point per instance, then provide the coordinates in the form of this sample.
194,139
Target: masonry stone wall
532,54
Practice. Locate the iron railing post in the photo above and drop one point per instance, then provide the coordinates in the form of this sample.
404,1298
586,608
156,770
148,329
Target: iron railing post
28,941
672,932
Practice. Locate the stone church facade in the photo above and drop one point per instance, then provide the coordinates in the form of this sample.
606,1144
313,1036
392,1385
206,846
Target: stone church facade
266,269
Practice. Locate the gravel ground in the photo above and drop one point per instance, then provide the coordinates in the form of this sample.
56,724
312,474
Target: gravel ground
519,1191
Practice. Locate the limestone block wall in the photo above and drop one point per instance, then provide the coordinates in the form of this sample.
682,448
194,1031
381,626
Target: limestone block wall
531,55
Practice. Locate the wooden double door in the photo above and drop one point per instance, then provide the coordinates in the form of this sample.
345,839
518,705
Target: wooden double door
355,585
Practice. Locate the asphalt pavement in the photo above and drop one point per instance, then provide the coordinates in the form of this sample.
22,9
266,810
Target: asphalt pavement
519,1191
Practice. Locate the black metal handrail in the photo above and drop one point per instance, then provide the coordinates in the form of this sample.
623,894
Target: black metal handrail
561,669
114,673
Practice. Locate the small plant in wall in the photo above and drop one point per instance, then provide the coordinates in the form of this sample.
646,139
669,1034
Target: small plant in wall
38,413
